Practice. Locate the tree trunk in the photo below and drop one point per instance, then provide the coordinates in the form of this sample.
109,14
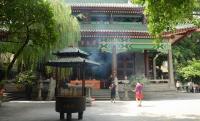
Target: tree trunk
17,55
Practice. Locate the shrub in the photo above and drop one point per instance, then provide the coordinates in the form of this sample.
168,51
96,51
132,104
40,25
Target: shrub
26,78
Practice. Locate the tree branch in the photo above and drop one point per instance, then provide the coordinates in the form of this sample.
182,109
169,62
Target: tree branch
29,24
11,42
18,53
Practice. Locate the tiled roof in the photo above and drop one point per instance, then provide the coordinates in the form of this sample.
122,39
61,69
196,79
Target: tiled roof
70,61
127,30
114,27
71,51
114,5
122,9
96,1
101,3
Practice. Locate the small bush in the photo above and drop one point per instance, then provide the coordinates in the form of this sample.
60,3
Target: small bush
26,78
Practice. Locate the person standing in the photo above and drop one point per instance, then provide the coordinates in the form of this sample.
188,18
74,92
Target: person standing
110,80
190,86
113,92
138,93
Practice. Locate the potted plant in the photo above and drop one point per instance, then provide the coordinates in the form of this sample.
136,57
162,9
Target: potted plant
26,79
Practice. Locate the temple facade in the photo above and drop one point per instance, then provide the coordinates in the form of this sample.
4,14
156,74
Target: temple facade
115,34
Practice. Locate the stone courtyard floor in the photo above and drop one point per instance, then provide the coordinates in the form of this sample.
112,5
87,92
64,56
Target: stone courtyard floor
157,110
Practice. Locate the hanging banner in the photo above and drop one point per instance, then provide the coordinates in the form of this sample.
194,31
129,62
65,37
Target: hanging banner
125,45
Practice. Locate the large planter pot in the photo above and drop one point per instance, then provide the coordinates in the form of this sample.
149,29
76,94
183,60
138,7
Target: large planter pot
70,105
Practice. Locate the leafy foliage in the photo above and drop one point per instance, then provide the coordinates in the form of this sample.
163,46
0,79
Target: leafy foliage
26,78
36,28
187,49
191,70
164,15
30,25
186,57
26,17
67,25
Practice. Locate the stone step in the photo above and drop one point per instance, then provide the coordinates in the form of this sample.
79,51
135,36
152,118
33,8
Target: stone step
158,87
101,94
160,95
101,97
159,91
151,91
15,96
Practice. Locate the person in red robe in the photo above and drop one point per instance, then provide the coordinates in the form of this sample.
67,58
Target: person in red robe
138,93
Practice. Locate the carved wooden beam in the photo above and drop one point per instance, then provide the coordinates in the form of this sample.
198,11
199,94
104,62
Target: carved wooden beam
174,38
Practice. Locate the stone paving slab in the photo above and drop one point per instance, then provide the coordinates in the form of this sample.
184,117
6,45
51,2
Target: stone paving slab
163,110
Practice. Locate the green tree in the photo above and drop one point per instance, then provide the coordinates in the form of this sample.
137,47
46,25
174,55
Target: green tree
164,15
185,53
29,24
66,24
191,71
187,50
36,28
26,78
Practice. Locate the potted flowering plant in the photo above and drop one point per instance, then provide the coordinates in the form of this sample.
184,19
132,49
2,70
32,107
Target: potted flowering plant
26,79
